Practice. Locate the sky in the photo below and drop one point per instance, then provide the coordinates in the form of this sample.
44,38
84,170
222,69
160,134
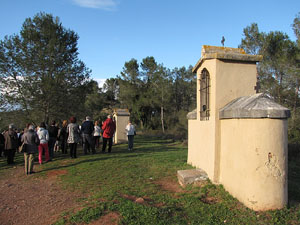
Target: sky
112,32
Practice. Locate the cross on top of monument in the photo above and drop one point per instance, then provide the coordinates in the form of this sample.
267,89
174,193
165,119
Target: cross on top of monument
223,41
257,87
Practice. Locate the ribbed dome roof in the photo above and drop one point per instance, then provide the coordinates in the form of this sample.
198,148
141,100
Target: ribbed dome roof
254,106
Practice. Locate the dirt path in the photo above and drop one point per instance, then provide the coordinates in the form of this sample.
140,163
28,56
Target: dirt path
40,200
32,199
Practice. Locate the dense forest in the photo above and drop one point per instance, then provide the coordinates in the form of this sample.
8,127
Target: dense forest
42,79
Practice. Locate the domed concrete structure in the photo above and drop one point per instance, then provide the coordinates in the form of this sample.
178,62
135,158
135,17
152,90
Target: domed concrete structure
238,137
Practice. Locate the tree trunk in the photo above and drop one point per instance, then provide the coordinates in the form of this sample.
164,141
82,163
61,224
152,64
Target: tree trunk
162,111
46,116
280,88
295,105
142,124
162,118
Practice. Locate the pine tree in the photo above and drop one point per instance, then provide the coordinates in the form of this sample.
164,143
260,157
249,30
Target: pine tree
40,70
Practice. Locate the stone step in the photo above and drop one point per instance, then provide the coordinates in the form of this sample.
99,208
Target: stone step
191,176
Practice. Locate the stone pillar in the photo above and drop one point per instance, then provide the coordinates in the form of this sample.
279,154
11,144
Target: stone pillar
121,118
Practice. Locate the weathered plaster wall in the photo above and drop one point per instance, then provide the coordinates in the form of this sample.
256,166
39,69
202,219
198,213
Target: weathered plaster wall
228,80
201,134
233,80
201,145
121,123
253,161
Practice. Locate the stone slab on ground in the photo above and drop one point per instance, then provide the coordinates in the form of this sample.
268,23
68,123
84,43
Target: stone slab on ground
191,176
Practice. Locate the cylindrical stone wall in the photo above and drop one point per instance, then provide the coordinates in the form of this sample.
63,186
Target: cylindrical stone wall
253,165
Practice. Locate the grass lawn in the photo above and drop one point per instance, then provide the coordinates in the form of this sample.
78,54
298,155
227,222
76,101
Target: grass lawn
141,187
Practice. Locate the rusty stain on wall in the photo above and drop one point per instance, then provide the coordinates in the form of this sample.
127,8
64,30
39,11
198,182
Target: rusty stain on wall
272,165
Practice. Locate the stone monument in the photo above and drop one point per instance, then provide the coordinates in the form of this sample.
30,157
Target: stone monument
238,137
121,118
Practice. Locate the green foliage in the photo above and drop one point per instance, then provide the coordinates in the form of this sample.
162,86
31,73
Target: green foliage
95,100
296,28
279,71
111,91
43,79
155,96
40,70
252,42
15,117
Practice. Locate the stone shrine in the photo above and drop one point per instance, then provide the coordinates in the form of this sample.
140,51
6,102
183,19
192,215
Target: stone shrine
121,118
238,137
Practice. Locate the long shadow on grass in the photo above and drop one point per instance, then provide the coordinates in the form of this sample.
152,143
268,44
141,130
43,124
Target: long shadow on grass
152,140
18,160
74,164
148,149
143,146
117,154
294,181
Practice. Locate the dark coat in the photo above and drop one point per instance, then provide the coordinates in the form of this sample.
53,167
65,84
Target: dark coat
11,140
2,141
53,131
62,134
87,127
31,139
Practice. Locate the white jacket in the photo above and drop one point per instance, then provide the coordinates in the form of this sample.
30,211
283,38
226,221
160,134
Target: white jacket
97,131
43,135
130,129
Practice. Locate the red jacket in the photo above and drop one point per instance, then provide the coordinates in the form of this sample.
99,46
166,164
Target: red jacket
109,128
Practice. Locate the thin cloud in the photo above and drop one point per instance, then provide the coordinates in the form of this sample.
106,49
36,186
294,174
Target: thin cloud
97,4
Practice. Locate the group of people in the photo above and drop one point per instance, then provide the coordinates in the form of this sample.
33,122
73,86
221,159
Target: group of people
46,139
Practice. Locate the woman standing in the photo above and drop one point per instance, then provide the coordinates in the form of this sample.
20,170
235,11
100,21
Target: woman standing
31,141
73,136
130,131
44,138
62,136
97,132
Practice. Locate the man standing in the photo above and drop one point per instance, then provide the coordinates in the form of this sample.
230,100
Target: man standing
87,129
11,143
32,141
109,128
